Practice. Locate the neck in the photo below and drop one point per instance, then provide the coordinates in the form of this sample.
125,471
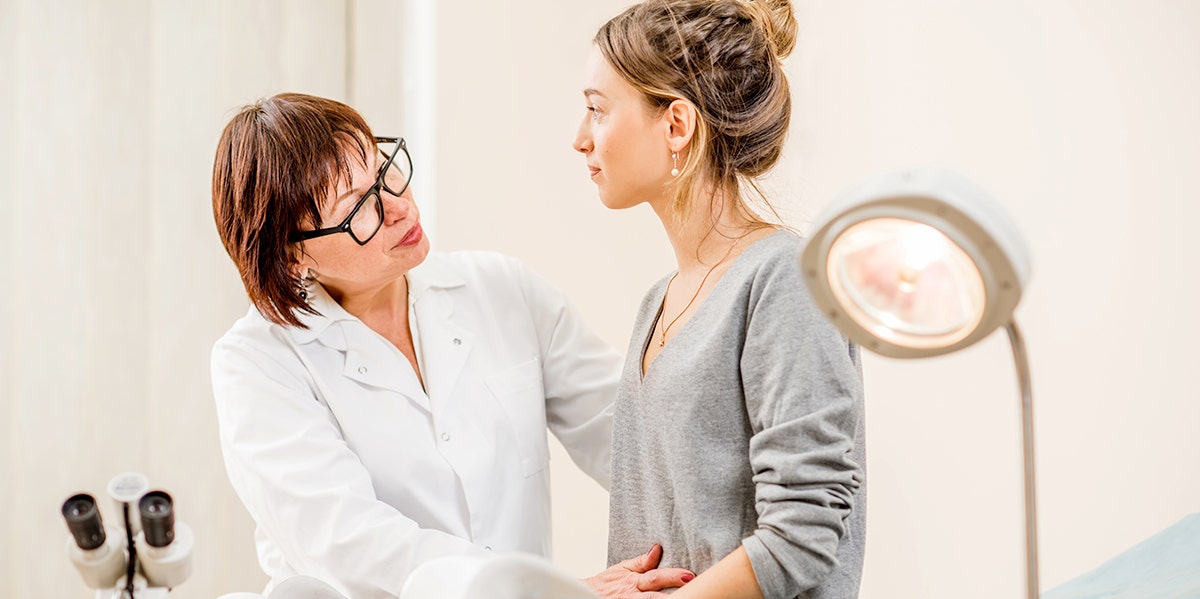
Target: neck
385,302
703,235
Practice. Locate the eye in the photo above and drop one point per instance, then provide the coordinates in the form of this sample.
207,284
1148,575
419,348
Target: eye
595,112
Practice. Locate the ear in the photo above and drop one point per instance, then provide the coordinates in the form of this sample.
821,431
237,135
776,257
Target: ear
679,120
299,262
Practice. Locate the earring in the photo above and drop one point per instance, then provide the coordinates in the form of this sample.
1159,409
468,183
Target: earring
302,280
675,163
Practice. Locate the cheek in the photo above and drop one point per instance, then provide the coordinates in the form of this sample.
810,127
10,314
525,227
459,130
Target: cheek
630,151
618,150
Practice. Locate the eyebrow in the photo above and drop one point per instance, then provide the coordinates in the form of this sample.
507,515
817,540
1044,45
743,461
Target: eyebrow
355,193
345,196
593,92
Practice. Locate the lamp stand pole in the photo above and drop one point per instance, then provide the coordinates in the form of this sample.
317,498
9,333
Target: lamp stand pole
1031,541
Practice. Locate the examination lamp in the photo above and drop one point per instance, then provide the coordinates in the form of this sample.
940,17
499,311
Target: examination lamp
920,263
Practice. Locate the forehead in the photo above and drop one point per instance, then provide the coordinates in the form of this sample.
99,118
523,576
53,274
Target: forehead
358,175
600,76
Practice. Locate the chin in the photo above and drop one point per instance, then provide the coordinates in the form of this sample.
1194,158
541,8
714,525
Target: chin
615,201
421,251
415,255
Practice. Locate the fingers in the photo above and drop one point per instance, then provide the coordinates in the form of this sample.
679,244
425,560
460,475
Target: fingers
664,578
645,562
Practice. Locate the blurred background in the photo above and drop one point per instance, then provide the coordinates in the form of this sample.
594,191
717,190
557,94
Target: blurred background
1080,116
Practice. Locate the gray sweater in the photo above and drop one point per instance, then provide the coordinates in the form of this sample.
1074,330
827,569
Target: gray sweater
746,429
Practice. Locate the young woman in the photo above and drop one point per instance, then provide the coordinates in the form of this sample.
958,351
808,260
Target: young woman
738,442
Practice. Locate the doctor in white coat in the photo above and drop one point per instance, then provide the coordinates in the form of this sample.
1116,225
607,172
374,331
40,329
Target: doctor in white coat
380,406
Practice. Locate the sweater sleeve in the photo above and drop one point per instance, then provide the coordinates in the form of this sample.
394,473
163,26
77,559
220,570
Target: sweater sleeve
803,389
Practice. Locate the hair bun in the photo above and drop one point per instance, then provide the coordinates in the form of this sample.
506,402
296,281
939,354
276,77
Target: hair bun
778,23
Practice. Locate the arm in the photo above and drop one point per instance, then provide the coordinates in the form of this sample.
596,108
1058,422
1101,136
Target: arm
730,578
803,396
305,488
580,373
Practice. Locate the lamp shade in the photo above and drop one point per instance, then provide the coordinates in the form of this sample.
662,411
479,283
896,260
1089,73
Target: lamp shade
916,263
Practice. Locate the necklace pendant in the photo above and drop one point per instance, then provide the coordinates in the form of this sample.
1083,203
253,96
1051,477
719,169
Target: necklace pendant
662,343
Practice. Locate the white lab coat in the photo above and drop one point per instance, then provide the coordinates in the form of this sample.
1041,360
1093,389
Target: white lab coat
354,475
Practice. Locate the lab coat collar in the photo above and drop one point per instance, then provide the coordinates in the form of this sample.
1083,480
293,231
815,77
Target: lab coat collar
432,274
319,325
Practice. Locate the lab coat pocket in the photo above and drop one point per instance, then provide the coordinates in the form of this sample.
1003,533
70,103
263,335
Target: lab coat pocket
518,390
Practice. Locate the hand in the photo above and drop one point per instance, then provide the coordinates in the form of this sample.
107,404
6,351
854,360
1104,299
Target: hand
638,578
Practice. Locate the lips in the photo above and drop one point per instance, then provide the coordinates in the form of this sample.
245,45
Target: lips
413,236
593,171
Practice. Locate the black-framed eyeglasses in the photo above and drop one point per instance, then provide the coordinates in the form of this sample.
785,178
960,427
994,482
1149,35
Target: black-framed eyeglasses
362,224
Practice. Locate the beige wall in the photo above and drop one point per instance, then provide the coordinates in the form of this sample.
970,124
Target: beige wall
1081,117
1078,115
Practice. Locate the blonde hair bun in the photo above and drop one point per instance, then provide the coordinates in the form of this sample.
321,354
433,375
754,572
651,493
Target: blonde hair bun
778,22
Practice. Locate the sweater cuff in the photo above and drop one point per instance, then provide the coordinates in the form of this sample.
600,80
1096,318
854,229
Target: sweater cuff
772,580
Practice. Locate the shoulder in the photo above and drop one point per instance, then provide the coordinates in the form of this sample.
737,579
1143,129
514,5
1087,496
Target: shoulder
777,254
255,352
491,277
251,334
472,266
251,329
772,276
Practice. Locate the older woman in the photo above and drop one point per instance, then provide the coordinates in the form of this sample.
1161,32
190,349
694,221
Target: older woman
379,405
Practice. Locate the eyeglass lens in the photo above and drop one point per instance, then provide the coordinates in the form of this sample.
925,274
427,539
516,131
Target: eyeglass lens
369,218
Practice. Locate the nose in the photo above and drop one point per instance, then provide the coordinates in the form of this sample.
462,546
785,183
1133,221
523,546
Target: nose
583,138
396,208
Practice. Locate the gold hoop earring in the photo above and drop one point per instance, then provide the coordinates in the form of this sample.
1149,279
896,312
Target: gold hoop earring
675,164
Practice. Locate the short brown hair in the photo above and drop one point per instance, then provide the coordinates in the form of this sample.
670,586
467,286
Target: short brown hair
722,56
277,162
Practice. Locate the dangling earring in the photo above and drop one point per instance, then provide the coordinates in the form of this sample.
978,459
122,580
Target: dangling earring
302,280
675,164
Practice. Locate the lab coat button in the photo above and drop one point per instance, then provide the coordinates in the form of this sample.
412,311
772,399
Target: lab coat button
362,369
445,436
488,547
457,341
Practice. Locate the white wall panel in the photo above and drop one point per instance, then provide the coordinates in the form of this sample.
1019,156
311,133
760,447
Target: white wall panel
9,14
124,286
79,334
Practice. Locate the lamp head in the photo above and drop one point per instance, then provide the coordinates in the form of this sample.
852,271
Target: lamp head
916,263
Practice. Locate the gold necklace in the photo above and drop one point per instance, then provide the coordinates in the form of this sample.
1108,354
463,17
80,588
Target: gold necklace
662,340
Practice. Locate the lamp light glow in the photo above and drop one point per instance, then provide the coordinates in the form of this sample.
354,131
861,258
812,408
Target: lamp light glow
907,282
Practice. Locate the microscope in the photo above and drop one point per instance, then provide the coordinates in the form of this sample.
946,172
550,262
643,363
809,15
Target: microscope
144,557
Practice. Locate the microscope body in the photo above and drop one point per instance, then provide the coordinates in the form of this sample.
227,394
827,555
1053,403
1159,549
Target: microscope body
102,566
150,545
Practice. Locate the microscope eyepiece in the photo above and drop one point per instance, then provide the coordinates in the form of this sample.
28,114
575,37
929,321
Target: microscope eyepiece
83,520
158,518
